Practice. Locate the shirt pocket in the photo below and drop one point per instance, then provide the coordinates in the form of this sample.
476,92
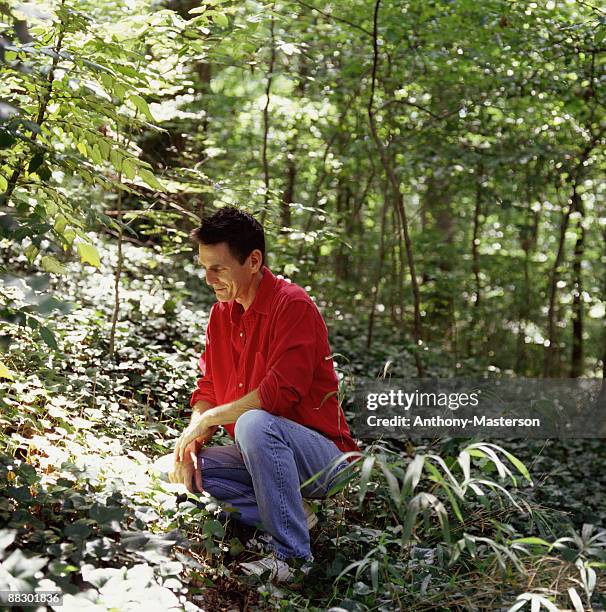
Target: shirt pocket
258,370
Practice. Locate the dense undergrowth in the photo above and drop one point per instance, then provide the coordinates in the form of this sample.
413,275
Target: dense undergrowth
442,525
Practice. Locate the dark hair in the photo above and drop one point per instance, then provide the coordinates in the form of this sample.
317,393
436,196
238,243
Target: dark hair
242,232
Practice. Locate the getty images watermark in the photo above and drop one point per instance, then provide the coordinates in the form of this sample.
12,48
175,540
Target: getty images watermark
523,407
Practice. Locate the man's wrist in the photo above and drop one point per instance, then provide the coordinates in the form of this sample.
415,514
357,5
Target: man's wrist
199,408
206,421
209,418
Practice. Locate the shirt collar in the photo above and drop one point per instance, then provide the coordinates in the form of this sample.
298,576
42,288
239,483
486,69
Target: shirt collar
262,299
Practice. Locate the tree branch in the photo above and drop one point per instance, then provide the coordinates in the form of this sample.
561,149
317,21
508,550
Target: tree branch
334,18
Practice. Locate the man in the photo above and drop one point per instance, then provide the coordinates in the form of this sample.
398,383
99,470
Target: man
268,377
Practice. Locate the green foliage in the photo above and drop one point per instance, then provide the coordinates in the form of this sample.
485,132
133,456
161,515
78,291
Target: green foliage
158,112
81,432
76,81
78,442
131,121
480,108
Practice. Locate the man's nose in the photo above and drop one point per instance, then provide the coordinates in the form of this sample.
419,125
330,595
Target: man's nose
210,278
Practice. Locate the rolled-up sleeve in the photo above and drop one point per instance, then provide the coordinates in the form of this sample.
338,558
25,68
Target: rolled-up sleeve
205,389
291,361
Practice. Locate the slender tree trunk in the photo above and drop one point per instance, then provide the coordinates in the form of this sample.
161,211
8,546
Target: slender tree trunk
119,263
439,296
357,228
475,266
41,114
270,76
399,269
550,350
288,194
379,272
528,242
395,285
577,357
398,200
323,173
204,72
339,212
600,406
117,274
604,318
344,212
520,366
454,332
475,243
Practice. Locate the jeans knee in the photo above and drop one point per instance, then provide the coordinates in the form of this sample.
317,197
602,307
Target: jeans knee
251,425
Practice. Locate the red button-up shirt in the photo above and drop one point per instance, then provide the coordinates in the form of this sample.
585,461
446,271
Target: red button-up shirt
280,346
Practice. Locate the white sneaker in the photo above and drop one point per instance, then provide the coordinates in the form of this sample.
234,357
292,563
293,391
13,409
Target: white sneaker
276,569
312,518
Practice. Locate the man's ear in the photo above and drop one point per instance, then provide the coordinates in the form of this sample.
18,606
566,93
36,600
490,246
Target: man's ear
256,260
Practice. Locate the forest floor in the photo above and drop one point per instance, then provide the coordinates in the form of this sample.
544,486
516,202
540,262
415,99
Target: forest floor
85,512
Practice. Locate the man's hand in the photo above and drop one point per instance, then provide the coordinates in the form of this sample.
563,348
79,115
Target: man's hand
203,425
197,431
188,470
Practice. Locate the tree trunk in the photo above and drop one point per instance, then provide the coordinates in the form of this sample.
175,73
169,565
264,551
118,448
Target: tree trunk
117,275
342,209
119,263
577,357
604,318
356,230
575,199
41,114
289,191
288,195
379,272
395,284
204,72
475,256
439,295
268,83
528,241
398,201
600,406
399,269
550,349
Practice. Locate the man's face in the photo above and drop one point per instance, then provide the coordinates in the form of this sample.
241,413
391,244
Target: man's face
224,273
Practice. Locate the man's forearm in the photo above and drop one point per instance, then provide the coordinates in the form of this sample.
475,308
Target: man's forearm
204,425
229,413
200,407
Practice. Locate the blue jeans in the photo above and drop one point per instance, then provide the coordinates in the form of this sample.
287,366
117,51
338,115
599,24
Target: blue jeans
261,476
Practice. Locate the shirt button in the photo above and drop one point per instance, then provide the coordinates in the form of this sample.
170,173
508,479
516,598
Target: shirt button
240,385
241,334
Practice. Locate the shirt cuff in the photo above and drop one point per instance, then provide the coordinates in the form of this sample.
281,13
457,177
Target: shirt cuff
198,395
